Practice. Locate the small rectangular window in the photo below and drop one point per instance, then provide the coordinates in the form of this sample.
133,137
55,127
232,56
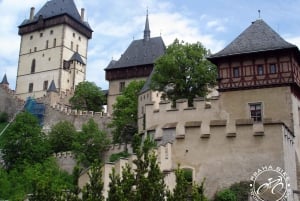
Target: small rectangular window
236,72
122,86
51,32
71,45
256,111
31,37
30,87
54,42
45,86
272,68
260,69
35,49
41,34
77,47
47,44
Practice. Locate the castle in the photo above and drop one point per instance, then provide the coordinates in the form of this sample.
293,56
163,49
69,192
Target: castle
251,121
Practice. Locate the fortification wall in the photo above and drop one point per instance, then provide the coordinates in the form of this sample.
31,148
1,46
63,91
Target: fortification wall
9,102
66,161
222,149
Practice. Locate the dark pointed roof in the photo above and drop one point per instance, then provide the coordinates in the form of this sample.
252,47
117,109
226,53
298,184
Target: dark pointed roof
52,87
76,57
258,37
147,84
147,29
55,8
4,80
140,52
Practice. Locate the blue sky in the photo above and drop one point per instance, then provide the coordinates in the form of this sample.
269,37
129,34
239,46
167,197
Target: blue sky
214,23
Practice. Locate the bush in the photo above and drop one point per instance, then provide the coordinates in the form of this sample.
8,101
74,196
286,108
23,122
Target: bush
241,190
116,156
3,117
226,195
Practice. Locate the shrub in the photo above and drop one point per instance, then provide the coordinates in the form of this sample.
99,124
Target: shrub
116,156
3,117
225,195
241,190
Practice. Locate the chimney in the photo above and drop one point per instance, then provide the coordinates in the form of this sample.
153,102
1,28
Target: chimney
31,13
82,14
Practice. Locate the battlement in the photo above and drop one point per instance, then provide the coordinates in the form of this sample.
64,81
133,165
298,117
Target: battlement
61,155
12,94
67,110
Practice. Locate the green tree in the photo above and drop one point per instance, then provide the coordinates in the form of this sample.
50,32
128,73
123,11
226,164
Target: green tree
180,192
124,117
145,182
92,191
43,181
88,96
184,72
62,136
90,143
24,142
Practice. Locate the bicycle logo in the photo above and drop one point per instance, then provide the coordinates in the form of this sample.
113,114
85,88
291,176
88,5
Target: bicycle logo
270,184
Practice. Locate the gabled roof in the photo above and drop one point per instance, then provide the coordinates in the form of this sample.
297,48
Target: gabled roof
52,87
4,80
76,57
258,37
55,8
140,52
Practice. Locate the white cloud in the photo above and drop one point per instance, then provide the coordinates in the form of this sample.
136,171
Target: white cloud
294,40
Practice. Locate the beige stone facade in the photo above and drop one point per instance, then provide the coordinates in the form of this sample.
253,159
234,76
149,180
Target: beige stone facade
42,57
115,89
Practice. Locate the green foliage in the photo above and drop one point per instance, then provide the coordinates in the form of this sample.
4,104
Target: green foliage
226,195
198,192
117,156
23,142
188,175
125,111
92,191
62,136
241,190
42,180
180,192
90,143
88,96
184,72
145,183
3,117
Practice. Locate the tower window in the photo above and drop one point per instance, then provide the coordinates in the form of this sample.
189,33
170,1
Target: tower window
260,70
31,37
47,44
32,66
73,34
256,111
45,86
41,34
236,72
35,49
51,32
77,47
54,42
121,86
71,45
30,87
79,38
272,68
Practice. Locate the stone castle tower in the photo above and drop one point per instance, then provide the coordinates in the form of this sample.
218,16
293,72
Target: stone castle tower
136,63
53,47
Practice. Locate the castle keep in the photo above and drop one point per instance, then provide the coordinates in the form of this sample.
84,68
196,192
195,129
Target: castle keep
53,46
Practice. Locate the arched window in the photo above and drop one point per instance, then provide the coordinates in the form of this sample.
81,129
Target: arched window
33,66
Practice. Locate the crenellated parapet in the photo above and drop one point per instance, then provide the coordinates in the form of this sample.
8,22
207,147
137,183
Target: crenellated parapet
168,123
